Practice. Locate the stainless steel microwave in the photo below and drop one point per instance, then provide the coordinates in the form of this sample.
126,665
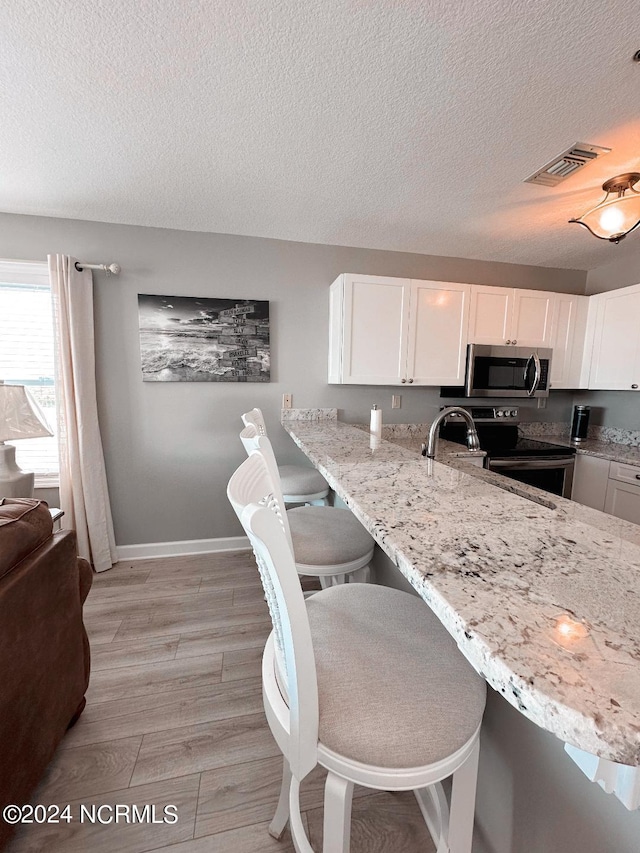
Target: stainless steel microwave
507,371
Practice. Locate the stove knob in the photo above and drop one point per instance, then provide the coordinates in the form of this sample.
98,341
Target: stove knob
500,413
514,413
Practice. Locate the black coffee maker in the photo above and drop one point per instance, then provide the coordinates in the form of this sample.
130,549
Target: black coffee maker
580,423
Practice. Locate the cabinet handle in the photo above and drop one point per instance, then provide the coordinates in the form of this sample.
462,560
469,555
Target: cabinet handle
403,381
634,386
410,381
508,342
514,342
637,476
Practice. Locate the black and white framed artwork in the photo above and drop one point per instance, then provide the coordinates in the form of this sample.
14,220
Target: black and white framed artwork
193,339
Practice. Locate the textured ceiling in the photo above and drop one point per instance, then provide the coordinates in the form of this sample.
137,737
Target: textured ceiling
393,124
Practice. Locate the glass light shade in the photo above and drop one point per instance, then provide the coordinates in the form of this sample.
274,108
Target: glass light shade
617,215
20,415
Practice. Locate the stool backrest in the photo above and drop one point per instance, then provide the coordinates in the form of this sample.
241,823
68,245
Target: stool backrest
251,492
255,418
254,442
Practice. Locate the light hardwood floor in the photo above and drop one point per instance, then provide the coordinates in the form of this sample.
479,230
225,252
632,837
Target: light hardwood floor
174,716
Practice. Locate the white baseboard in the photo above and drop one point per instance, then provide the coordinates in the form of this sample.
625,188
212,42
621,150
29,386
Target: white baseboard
179,549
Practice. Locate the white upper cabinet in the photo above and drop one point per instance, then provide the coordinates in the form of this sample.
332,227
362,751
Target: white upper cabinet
532,323
490,317
368,337
569,326
615,359
438,323
392,331
505,316
400,331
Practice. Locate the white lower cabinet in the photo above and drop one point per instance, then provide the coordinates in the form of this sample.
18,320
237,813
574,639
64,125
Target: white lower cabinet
590,480
623,492
393,331
612,487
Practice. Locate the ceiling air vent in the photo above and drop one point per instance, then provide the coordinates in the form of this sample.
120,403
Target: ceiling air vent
566,164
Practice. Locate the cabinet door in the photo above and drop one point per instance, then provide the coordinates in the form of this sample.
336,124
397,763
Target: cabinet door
490,315
569,326
590,480
532,321
623,501
437,341
615,363
375,315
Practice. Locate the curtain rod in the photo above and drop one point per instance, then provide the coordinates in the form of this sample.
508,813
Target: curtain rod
108,268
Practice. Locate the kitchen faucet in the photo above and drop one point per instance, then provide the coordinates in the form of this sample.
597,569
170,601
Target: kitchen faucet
473,443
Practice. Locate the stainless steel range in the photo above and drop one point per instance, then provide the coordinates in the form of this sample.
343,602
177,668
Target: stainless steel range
532,461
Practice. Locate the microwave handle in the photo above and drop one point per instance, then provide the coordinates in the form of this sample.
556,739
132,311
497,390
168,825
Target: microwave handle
537,375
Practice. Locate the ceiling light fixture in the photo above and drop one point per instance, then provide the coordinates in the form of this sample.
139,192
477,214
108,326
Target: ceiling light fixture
613,218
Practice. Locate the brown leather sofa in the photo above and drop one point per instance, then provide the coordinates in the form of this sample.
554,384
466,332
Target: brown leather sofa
44,651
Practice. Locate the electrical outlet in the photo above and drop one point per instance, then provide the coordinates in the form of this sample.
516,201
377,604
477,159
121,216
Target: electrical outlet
287,400
396,401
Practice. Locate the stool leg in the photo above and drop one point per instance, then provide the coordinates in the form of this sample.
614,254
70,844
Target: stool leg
298,832
463,804
281,817
338,795
362,575
332,580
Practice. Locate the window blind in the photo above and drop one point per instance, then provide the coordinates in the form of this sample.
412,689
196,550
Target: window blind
26,356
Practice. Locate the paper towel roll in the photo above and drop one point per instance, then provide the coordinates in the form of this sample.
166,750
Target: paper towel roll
376,421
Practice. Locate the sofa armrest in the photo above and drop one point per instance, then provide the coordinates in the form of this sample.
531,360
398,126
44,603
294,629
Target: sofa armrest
85,574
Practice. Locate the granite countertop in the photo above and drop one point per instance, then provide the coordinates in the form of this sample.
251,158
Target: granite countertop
619,446
604,449
542,599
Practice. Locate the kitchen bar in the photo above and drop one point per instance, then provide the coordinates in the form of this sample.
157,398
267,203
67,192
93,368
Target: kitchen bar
543,600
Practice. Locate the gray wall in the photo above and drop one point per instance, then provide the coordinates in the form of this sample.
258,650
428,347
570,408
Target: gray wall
612,408
622,271
171,447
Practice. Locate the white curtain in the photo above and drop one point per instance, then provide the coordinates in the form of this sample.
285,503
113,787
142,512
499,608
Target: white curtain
83,483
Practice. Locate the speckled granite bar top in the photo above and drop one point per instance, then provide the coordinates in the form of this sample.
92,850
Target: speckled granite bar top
617,445
515,582
604,449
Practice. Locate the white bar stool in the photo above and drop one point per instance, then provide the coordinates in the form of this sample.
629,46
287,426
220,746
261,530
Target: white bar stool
327,541
363,680
301,484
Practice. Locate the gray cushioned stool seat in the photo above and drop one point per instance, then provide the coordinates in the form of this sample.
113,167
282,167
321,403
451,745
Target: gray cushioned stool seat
327,536
301,480
394,690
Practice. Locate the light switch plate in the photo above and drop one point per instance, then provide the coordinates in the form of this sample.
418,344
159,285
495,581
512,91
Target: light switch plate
542,402
287,399
396,401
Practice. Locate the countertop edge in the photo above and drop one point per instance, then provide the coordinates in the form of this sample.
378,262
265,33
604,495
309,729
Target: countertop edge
548,712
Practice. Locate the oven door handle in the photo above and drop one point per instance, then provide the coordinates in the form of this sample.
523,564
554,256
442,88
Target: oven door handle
530,464
537,375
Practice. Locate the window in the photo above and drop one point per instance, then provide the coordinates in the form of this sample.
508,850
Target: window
26,356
